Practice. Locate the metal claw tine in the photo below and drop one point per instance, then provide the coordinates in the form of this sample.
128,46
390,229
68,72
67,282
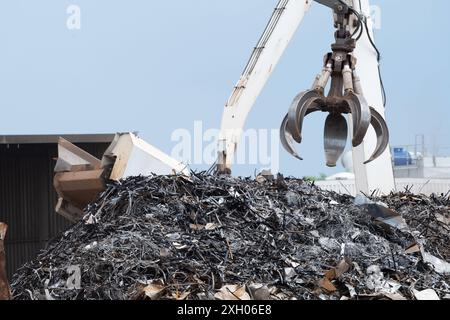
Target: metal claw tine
286,139
382,132
361,117
355,113
335,138
297,112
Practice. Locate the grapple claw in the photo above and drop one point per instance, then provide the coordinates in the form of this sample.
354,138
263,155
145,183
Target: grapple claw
361,116
382,132
345,96
335,138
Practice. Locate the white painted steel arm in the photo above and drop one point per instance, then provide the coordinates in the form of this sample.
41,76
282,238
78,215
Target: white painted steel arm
280,30
377,175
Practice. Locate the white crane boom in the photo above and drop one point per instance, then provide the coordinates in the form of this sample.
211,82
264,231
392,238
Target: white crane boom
285,20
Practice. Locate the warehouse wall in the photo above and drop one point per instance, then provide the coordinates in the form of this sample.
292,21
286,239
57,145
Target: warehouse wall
27,198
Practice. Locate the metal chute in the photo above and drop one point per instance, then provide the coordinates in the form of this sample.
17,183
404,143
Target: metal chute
80,177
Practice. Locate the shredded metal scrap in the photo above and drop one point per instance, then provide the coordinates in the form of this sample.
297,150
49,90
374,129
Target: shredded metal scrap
209,237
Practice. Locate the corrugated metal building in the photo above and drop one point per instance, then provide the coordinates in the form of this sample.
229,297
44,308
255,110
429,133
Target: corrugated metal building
27,196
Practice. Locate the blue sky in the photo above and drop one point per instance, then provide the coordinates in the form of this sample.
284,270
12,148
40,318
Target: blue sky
154,66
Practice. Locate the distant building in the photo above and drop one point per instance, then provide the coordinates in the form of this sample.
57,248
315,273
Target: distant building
415,169
416,165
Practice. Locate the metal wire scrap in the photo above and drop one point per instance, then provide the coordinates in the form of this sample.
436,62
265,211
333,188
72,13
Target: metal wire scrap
275,238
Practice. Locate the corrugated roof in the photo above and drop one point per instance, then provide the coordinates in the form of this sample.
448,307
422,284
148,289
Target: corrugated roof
42,139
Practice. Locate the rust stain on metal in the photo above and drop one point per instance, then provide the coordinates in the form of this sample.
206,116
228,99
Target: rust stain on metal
5,292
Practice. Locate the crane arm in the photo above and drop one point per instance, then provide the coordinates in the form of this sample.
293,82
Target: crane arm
281,28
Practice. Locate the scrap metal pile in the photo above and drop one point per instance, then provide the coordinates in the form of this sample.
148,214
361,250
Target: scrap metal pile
207,237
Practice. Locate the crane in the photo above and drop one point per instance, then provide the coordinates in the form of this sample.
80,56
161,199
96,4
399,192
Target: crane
352,67
356,89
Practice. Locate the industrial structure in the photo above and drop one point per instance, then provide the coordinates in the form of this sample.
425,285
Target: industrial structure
41,175
421,162
26,163
419,168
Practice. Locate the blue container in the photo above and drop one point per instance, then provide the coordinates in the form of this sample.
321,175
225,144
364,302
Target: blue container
402,157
